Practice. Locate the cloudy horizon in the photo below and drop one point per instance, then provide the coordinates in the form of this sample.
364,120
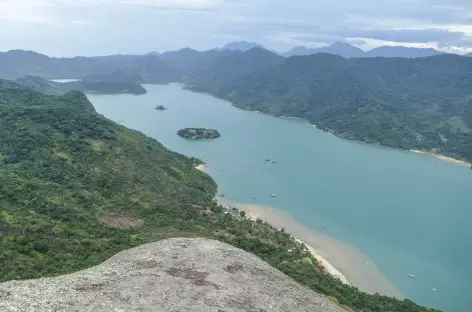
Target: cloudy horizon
102,27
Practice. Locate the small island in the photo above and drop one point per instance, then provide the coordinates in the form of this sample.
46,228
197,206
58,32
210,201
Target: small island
161,108
198,133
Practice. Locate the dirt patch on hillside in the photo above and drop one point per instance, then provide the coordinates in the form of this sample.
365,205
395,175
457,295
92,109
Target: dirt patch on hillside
120,222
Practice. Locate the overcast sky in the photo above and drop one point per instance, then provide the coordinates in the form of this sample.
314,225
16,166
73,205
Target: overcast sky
100,27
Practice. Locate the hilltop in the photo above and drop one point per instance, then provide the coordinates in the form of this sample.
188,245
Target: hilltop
168,276
99,84
348,51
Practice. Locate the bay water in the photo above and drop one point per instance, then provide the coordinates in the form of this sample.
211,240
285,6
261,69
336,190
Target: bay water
409,213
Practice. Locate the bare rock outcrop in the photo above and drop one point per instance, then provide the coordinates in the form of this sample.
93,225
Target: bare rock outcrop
177,274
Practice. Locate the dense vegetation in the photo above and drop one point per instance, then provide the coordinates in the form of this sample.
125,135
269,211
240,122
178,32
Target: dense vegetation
106,87
90,85
110,83
422,103
75,188
198,133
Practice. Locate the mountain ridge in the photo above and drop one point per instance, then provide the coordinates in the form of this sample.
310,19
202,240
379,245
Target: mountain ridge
348,51
241,46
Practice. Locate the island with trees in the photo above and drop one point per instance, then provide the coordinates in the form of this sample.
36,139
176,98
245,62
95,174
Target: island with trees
198,133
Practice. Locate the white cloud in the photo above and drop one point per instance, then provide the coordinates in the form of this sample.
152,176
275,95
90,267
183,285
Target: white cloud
24,11
124,25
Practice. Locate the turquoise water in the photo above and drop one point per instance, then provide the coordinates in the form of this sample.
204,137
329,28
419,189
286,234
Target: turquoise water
409,213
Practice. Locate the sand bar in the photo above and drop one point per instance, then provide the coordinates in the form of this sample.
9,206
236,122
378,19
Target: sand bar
344,261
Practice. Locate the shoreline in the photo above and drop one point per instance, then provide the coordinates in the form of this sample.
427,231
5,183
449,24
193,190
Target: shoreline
340,260
328,267
444,158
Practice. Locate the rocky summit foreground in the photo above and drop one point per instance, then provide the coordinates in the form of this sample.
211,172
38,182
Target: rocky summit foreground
171,275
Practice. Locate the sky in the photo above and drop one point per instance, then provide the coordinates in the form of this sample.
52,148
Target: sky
103,27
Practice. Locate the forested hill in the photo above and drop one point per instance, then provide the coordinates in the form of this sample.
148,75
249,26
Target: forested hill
76,188
423,103
99,84
66,172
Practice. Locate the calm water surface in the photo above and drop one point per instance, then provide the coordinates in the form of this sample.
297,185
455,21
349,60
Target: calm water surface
409,213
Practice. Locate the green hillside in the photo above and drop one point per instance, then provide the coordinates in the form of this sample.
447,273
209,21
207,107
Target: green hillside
100,84
76,188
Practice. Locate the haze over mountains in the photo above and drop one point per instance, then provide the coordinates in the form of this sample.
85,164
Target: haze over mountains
241,46
348,51
342,49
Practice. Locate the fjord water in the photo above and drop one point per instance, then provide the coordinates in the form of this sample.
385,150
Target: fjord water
409,213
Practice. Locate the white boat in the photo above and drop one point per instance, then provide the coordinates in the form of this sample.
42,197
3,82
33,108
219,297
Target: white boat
254,197
411,276
434,289
324,226
273,195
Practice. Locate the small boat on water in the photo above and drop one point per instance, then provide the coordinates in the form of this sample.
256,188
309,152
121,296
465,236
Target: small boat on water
272,195
411,276
434,289
222,195
324,226
254,197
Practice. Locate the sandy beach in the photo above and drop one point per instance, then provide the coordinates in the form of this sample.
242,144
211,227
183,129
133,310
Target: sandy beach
340,259
445,158
202,167
327,266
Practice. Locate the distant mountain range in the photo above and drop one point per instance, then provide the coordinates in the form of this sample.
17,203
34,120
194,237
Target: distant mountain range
348,51
241,46
337,48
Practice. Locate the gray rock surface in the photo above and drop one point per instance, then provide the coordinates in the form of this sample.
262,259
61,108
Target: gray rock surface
177,274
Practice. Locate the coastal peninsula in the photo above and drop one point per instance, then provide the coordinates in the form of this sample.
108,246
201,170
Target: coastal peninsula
198,133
